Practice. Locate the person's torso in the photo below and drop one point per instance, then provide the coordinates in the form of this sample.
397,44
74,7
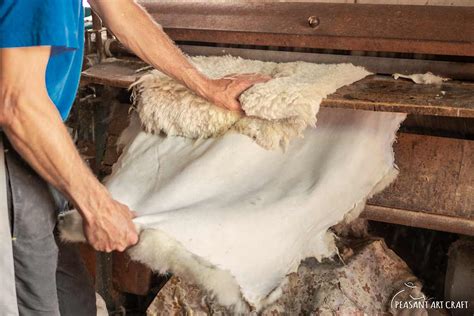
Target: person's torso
55,23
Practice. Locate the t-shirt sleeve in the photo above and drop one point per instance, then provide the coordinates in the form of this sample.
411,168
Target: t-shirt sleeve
38,23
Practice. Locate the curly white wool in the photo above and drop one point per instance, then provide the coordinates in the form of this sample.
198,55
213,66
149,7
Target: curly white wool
277,111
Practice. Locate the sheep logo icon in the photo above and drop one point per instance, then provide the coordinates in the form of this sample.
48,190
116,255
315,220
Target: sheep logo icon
409,297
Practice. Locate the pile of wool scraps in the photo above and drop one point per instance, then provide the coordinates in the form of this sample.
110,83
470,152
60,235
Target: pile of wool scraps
276,111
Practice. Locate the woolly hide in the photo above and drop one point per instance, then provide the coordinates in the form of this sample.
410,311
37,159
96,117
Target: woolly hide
426,78
228,214
236,218
277,111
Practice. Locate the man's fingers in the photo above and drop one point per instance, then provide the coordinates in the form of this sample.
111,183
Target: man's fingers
248,82
229,88
244,82
231,76
133,239
234,105
129,241
119,246
261,79
254,77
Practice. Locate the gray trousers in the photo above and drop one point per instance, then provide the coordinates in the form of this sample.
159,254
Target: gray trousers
50,276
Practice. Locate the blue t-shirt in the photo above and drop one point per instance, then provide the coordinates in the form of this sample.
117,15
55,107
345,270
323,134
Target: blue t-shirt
55,23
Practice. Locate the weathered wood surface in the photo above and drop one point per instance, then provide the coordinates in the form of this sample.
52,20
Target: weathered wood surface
118,73
88,255
386,65
460,275
427,220
130,276
418,2
436,176
377,65
364,285
376,93
379,93
405,2
393,28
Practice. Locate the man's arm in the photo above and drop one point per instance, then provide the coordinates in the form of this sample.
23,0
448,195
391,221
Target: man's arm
34,127
137,30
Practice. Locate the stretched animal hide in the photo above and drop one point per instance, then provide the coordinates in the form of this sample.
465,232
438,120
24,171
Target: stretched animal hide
276,111
235,218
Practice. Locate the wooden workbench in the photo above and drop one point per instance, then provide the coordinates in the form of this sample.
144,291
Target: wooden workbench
435,188
375,93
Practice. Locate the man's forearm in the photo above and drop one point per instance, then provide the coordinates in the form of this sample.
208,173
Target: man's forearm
34,127
136,30
36,131
38,134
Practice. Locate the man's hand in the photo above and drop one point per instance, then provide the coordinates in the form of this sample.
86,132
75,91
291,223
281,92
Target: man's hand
111,228
136,30
225,92
34,127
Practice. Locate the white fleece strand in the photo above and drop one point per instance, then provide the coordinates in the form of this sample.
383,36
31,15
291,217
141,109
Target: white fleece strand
277,111
426,78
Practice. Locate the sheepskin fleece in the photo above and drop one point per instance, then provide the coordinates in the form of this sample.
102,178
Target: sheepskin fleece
426,78
277,111
236,218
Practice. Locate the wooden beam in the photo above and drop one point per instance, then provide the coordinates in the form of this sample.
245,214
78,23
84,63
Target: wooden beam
382,93
436,177
419,219
434,189
389,28
130,276
377,65
376,93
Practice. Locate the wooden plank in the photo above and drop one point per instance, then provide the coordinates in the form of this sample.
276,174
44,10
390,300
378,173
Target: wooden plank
453,127
363,27
378,65
377,93
421,2
112,72
436,177
404,2
381,93
419,219
436,183
88,256
130,276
